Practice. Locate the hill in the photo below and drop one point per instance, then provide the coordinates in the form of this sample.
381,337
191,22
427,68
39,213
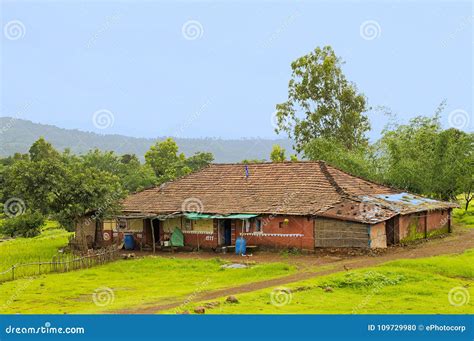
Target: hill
17,135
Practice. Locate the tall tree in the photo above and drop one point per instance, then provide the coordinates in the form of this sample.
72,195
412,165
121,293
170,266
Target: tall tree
322,103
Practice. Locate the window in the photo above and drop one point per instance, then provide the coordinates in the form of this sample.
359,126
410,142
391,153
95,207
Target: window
122,224
188,225
258,225
246,223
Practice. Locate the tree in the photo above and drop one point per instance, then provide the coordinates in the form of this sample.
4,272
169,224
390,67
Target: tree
199,160
64,187
133,175
277,154
168,165
42,150
322,103
359,162
423,158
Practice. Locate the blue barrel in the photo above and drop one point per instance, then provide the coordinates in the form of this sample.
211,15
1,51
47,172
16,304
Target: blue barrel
129,242
240,246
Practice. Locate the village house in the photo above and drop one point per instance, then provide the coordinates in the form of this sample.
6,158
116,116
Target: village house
304,205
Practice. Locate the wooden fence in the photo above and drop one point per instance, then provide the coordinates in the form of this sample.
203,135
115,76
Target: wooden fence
60,263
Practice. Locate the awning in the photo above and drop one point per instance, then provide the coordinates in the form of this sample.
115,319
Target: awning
239,216
197,216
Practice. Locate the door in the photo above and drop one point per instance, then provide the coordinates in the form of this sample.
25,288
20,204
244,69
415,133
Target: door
156,230
227,233
390,231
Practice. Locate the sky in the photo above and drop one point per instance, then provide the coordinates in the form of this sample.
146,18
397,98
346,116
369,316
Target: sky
217,69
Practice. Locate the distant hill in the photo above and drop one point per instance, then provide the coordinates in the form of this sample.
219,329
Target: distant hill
17,135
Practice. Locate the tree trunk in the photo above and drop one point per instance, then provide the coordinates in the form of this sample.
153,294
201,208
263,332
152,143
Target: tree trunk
99,229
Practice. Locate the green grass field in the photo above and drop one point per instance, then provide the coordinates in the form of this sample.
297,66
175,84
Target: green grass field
463,217
131,283
417,286
25,250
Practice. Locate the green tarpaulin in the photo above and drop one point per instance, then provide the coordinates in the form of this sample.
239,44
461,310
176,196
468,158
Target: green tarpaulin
240,216
196,216
177,238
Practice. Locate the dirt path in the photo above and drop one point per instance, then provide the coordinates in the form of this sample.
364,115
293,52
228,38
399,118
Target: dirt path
455,243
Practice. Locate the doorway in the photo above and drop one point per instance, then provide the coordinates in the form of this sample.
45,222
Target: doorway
156,230
391,231
225,232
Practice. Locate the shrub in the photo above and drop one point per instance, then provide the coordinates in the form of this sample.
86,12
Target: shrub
26,225
366,279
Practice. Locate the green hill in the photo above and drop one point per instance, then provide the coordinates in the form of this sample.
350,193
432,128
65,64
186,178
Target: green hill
17,135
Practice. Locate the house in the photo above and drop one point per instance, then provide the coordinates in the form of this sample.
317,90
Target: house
304,205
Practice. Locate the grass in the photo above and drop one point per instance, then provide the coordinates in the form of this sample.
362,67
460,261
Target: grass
131,283
466,218
26,250
416,286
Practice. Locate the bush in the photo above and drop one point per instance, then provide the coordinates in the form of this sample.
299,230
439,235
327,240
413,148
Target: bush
356,280
25,225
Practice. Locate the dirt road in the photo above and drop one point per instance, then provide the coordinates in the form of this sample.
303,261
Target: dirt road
457,242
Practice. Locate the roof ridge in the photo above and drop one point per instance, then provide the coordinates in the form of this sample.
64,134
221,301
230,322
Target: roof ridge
331,180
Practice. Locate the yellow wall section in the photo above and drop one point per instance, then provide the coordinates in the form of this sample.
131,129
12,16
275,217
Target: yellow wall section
170,224
135,225
110,225
206,225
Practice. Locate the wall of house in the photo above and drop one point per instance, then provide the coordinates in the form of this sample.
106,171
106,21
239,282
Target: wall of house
423,224
85,231
339,233
203,234
275,233
378,237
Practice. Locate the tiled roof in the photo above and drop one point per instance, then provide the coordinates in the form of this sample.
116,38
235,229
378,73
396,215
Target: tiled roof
293,188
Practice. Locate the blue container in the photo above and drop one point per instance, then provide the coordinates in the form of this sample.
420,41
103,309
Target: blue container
129,242
240,246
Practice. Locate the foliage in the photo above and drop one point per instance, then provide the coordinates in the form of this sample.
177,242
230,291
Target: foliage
27,225
463,216
249,161
62,186
42,150
366,279
133,175
359,161
168,164
422,158
322,103
278,154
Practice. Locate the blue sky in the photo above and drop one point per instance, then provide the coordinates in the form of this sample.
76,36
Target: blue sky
142,73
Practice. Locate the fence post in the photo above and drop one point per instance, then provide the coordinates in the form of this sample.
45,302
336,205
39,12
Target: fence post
13,272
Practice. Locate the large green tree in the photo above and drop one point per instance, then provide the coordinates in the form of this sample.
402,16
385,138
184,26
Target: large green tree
322,103
168,164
